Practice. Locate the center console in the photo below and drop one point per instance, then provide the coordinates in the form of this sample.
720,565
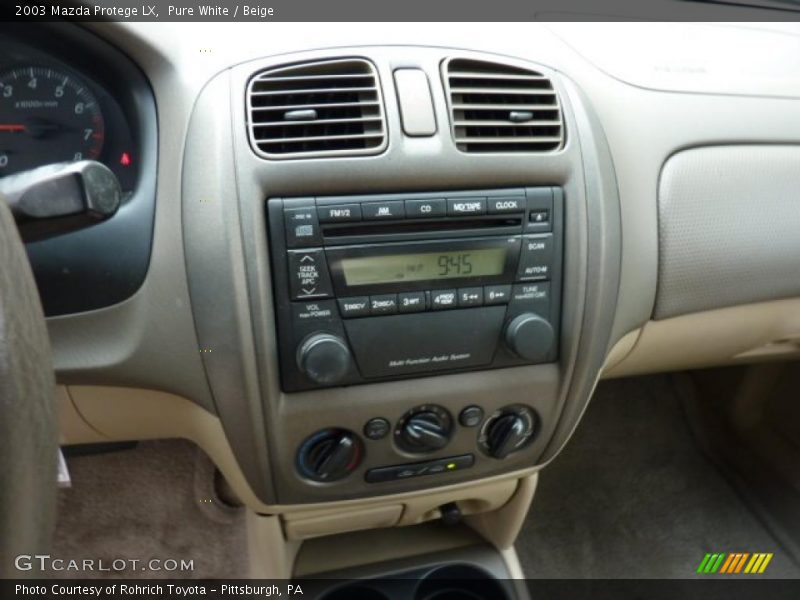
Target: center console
398,304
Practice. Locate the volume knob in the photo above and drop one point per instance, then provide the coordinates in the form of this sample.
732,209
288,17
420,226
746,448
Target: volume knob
530,337
324,358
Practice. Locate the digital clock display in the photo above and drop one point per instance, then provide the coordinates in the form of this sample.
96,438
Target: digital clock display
425,266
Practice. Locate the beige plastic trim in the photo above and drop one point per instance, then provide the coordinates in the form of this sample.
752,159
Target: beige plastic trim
305,527
501,527
270,555
735,335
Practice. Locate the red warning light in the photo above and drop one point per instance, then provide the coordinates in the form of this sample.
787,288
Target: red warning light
125,159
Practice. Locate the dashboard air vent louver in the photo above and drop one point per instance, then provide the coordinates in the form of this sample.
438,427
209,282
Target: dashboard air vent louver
313,109
500,108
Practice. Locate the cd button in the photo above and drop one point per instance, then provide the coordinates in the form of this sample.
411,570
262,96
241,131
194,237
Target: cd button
470,296
354,307
409,302
375,211
466,206
385,304
443,299
420,209
496,294
339,213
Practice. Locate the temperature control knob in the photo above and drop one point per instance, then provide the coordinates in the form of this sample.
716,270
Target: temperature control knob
530,337
508,430
424,429
324,358
329,455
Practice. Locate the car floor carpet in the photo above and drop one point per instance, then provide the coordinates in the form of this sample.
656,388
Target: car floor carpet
632,496
155,501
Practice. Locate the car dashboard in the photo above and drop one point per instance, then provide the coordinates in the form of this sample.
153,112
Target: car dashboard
372,275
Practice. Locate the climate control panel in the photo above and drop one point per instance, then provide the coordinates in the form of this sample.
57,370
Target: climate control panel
331,455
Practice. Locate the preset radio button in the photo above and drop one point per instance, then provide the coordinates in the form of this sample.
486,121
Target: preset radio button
354,307
385,304
443,299
410,302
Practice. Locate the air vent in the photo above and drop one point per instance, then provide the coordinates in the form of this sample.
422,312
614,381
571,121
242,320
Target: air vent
500,108
327,108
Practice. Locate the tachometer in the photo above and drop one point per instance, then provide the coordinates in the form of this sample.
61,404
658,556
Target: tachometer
47,116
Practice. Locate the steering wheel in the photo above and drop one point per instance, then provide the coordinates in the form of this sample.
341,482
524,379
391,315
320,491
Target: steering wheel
28,428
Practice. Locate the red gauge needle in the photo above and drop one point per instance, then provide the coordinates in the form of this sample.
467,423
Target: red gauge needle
12,127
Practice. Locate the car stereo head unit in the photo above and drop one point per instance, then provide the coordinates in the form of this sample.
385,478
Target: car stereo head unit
369,288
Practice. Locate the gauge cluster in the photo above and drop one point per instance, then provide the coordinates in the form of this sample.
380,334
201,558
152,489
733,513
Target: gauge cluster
67,95
51,113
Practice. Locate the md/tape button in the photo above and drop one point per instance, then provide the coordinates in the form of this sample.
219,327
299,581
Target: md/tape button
457,207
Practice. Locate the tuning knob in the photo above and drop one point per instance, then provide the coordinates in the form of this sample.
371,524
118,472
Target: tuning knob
508,430
424,429
530,337
329,455
324,358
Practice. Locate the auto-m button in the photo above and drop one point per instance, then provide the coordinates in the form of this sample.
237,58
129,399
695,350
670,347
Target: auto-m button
308,274
536,261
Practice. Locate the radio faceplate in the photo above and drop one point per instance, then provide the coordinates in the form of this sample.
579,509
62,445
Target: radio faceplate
371,288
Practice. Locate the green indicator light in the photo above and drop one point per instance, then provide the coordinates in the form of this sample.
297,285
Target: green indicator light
451,466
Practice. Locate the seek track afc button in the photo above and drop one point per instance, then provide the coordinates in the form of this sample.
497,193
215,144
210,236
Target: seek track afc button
308,274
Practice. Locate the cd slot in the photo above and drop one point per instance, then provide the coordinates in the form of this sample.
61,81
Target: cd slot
491,224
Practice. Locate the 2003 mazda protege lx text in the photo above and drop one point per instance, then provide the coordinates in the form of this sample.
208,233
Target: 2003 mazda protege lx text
426,310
